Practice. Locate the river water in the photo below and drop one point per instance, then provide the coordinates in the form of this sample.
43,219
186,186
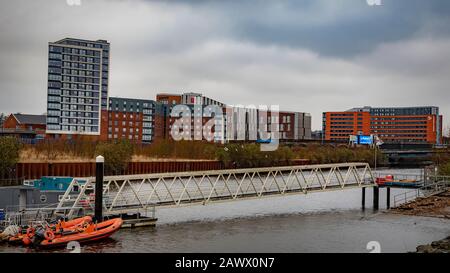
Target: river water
318,222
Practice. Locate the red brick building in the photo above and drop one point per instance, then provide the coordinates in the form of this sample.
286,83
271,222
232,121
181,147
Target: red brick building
24,126
131,119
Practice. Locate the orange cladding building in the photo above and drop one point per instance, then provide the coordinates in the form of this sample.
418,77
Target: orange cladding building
392,125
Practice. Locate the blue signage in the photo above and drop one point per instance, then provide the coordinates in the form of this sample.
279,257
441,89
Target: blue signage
365,140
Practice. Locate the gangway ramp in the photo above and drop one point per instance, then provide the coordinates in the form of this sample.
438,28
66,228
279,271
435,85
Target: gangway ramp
127,194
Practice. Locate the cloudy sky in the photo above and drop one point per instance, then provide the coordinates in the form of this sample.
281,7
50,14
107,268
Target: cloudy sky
304,55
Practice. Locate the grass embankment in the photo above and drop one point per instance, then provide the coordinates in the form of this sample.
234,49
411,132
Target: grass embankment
240,155
442,159
118,154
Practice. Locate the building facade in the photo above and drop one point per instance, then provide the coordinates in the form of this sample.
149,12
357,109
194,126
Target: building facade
78,84
292,125
24,126
392,125
132,119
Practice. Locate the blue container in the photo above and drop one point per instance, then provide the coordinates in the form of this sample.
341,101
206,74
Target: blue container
2,215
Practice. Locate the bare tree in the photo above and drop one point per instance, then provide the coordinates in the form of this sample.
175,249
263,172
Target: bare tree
446,134
2,119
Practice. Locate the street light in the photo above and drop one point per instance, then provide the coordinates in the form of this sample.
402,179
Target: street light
376,143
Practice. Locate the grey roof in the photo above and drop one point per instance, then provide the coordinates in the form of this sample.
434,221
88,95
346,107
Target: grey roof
31,119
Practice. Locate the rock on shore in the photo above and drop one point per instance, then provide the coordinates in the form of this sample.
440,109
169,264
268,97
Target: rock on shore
442,246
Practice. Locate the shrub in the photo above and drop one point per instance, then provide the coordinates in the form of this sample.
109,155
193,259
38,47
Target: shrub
9,155
329,154
117,156
444,169
251,156
179,150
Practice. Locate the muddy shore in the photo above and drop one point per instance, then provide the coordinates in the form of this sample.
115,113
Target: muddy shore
435,206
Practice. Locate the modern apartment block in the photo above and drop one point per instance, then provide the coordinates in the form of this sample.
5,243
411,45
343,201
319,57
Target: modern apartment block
295,126
134,119
194,101
392,125
292,125
78,84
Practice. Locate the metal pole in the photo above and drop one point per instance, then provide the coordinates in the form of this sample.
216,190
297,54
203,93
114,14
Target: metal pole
364,198
375,157
376,196
100,166
388,198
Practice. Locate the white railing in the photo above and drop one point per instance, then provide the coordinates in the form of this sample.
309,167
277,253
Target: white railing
425,191
131,193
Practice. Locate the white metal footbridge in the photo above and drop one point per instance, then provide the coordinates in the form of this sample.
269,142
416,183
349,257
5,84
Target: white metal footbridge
128,194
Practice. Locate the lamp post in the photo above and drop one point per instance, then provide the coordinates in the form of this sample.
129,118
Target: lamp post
376,148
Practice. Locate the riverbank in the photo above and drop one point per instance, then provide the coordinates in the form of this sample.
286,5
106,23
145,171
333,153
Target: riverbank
433,206
437,206
442,246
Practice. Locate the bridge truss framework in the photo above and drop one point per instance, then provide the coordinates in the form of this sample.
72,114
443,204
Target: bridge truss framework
127,194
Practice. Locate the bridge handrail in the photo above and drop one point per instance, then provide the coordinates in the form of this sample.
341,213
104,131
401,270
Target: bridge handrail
202,187
230,171
424,191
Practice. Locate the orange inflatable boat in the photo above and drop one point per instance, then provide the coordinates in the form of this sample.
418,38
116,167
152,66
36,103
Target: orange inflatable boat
93,232
60,227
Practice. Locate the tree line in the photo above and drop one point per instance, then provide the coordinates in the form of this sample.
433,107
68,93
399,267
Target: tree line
234,155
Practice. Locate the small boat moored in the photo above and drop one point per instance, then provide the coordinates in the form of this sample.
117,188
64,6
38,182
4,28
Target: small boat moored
390,181
59,227
47,238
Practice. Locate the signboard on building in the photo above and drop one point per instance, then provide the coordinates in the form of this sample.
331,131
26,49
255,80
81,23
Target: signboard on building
362,140
365,140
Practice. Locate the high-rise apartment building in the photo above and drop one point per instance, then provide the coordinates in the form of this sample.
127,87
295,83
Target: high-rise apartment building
392,124
78,81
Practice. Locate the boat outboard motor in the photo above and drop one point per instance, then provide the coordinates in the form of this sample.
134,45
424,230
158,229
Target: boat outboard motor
39,236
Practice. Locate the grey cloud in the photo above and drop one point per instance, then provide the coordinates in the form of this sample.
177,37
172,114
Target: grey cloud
329,27
309,55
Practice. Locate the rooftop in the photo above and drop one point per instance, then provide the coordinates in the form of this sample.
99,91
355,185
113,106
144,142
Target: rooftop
30,119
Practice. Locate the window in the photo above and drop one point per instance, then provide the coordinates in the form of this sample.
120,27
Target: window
54,91
54,84
55,49
54,63
54,106
55,56
52,120
53,127
54,99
